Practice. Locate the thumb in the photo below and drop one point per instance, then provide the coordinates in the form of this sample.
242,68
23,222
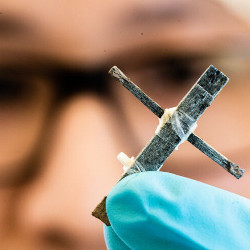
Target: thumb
155,210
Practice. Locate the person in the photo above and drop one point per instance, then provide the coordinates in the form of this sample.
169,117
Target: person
63,120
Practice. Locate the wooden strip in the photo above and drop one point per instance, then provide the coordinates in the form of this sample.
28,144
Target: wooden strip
100,212
213,80
136,91
229,166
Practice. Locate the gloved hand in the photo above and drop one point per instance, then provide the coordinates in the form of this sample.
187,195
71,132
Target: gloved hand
156,210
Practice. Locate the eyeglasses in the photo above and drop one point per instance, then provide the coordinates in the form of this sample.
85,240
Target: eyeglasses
28,94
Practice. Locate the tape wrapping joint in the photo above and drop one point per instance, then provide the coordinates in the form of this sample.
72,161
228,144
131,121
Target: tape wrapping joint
182,124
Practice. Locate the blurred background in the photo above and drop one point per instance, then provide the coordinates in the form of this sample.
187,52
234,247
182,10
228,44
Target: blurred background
63,119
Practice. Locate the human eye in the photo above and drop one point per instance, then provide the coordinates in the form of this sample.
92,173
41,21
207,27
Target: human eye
178,71
167,79
169,74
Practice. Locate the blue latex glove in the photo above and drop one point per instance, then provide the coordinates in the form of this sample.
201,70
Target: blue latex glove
156,210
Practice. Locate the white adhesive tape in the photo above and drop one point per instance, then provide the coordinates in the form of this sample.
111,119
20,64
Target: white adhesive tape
177,118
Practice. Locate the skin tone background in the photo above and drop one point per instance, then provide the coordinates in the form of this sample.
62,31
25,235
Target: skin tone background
58,159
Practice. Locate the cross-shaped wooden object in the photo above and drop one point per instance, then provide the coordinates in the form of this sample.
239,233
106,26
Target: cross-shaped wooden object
176,128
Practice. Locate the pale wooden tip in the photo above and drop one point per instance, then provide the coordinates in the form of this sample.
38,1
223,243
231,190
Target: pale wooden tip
117,73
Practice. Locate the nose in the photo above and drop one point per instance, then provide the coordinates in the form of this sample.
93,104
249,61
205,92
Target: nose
78,169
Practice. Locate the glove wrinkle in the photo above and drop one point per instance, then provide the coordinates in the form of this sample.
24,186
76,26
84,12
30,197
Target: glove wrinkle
156,210
112,239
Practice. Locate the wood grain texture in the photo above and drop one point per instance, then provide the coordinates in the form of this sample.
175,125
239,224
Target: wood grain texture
191,107
188,112
136,91
229,166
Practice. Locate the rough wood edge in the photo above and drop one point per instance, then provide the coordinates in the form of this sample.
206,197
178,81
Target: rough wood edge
100,212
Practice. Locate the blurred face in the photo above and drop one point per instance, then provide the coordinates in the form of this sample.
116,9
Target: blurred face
63,121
